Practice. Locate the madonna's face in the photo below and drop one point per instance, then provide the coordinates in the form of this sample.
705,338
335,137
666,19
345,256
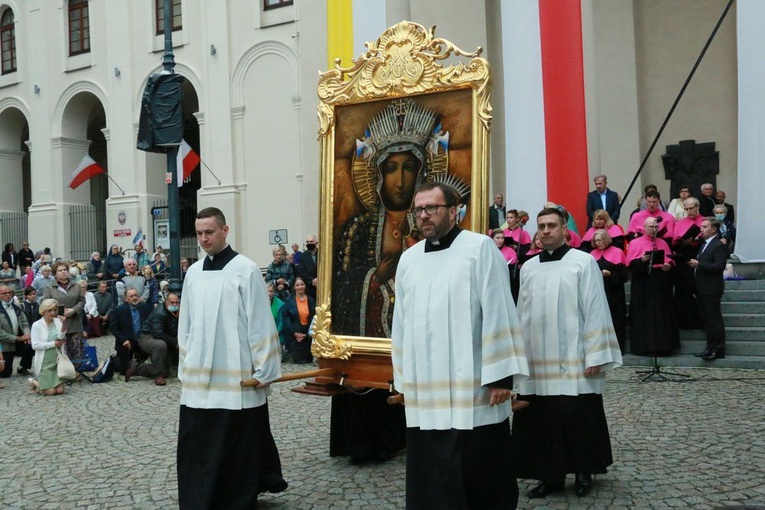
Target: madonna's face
399,177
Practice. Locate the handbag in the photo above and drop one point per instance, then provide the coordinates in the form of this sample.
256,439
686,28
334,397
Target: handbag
64,367
90,361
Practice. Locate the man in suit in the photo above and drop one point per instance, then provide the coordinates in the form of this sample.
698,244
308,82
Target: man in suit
13,328
602,198
707,200
497,212
105,305
307,269
720,199
127,326
708,274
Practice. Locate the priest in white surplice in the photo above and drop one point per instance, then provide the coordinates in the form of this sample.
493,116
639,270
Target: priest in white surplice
570,343
455,348
226,333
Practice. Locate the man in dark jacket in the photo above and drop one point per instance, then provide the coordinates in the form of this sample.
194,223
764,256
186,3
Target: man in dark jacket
497,212
708,266
309,261
162,324
127,326
602,198
26,259
31,309
105,305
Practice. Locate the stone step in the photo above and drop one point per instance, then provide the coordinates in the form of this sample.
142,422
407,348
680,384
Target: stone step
747,320
732,347
744,295
690,361
746,334
732,307
744,285
748,307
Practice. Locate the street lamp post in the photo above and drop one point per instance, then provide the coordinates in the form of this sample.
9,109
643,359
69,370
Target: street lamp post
168,62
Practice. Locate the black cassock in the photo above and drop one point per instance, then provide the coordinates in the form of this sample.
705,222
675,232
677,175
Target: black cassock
686,308
614,286
653,329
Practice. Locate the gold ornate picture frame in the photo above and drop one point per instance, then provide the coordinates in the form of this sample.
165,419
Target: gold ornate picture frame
397,117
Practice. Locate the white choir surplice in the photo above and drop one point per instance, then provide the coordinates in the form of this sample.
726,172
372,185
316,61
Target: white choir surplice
455,329
560,341
217,309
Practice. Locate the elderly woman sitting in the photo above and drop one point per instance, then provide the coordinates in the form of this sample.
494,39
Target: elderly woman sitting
47,336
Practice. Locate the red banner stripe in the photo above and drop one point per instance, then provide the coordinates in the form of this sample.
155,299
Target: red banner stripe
565,123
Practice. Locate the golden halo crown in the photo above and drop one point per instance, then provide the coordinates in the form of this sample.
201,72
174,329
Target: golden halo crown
402,125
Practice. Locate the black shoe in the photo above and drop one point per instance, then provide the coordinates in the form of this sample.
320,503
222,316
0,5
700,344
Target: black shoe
583,484
278,487
23,371
705,352
544,488
714,355
130,372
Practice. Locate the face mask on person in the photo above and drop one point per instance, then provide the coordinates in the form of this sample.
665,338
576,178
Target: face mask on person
310,246
172,309
720,216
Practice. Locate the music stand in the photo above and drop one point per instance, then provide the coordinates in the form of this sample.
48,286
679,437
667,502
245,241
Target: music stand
655,372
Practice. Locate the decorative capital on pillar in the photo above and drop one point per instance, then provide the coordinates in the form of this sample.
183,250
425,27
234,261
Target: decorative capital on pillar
237,113
107,133
200,116
62,142
297,102
28,143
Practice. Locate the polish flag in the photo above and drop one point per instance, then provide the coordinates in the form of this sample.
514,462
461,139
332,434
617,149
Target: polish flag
84,171
546,139
186,163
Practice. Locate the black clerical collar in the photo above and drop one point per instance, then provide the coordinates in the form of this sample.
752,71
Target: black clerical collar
443,243
219,260
557,253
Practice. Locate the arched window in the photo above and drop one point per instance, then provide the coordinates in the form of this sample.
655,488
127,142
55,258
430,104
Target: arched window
8,42
177,12
79,27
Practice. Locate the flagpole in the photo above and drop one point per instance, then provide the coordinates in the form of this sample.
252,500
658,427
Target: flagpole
115,183
209,170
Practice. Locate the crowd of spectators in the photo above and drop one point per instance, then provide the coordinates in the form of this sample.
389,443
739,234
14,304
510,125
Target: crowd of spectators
292,289
70,302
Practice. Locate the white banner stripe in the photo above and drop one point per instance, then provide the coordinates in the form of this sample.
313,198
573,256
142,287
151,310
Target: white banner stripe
750,208
368,24
526,175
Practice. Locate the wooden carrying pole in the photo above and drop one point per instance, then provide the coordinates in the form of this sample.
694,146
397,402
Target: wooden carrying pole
517,405
322,372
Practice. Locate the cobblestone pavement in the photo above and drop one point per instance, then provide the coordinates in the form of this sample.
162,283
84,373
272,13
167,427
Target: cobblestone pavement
698,444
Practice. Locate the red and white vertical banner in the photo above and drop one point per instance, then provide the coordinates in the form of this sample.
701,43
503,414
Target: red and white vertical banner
546,135
750,208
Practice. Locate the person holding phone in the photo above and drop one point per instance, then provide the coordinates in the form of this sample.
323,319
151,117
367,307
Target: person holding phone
69,296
